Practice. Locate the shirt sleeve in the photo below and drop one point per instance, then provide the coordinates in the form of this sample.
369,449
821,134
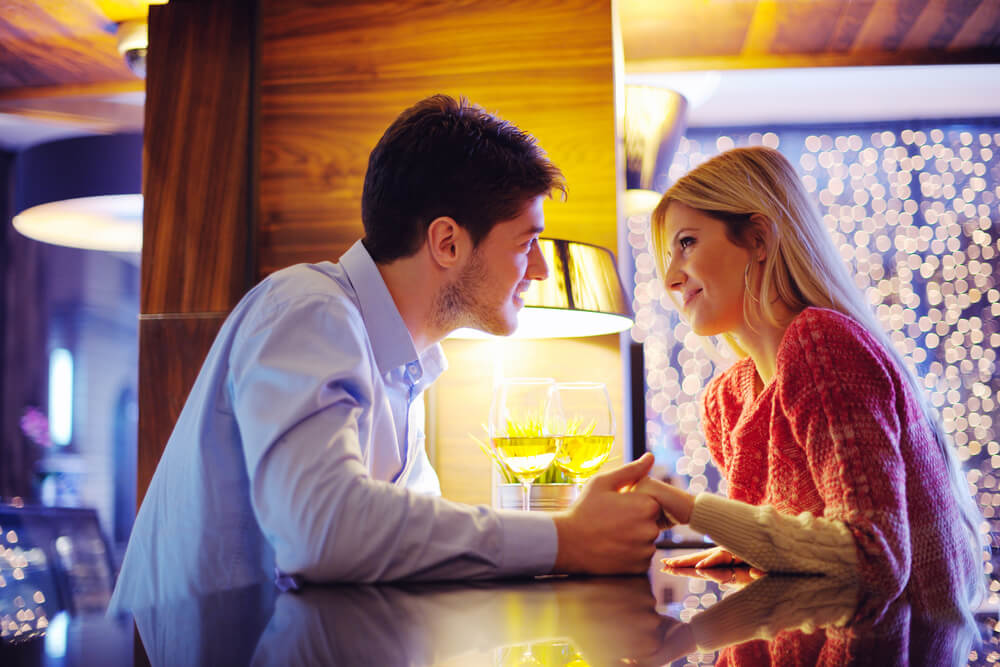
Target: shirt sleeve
841,393
301,381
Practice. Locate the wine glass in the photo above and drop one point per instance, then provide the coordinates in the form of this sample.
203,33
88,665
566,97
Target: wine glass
518,429
580,414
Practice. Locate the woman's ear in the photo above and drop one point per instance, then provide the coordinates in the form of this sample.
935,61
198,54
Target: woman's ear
445,241
763,236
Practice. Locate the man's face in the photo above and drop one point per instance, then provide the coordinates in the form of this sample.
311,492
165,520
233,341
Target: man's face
487,293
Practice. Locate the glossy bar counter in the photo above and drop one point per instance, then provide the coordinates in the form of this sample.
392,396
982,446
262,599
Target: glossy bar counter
676,619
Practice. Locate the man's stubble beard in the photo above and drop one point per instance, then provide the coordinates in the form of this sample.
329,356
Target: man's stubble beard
460,302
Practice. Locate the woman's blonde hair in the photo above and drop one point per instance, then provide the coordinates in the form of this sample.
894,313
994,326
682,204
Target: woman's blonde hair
746,188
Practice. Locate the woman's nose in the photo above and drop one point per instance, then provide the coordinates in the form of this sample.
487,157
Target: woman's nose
673,277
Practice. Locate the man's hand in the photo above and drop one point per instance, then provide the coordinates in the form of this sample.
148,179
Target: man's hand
607,531
677,505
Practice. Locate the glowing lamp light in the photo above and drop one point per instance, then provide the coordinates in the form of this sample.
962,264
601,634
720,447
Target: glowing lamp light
582,296
109,222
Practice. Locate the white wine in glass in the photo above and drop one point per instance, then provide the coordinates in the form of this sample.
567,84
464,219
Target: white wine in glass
519,431
580,415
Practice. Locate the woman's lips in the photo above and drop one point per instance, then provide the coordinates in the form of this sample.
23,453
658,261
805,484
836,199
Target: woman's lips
690,297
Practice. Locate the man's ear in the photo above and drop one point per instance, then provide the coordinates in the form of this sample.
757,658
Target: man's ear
763,236
446,241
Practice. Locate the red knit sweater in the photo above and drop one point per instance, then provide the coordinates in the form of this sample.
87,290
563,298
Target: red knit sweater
838,433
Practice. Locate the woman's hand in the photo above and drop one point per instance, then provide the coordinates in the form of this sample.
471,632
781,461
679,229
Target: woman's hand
715,557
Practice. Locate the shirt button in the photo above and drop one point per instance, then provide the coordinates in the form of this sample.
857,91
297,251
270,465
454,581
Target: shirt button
413,369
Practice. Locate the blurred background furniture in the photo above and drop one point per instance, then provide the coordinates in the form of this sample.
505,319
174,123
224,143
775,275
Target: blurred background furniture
56,558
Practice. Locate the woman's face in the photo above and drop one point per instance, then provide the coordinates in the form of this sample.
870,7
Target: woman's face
705,271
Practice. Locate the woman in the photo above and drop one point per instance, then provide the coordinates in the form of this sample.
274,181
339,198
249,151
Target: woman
833,460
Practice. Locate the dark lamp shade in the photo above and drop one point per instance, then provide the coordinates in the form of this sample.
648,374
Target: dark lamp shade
83,192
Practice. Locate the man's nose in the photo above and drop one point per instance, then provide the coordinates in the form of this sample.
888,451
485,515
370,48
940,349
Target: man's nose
538,268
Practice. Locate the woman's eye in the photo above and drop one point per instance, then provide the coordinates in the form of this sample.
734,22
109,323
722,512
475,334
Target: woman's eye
685,242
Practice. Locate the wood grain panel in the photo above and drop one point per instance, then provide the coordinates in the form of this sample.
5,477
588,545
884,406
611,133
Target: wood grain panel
887,25
853,15
197,159
805,28
763,25
197,184
49,43
325,100
938,24
981,29
171,352
653,30
742,34
95,114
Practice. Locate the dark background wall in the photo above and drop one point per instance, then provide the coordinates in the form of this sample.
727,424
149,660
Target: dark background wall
23,369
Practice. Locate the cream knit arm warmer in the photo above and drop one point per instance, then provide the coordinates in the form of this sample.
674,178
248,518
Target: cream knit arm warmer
771,605
775,542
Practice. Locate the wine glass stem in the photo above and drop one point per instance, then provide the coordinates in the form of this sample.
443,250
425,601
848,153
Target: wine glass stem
525,495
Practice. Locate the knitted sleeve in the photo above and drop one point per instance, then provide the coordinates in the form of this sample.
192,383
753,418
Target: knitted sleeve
776,542
840,393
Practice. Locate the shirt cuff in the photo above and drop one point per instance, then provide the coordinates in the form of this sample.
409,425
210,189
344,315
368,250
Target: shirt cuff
529,543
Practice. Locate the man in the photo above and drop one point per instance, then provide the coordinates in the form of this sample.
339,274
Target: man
300,448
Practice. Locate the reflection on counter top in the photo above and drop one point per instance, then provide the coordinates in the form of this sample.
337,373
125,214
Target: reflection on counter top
675,618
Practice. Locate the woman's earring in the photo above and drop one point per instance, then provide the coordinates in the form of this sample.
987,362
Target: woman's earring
746,284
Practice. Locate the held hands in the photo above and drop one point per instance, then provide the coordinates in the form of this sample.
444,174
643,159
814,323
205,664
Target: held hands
676,505
612,527
607,531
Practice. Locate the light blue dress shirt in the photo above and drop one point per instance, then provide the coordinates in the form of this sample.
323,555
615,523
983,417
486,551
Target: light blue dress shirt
301,447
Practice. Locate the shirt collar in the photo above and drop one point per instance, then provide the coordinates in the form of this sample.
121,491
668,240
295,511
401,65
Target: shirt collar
389,336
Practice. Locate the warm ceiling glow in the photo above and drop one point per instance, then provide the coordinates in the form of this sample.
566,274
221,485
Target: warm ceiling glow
126,10
109,222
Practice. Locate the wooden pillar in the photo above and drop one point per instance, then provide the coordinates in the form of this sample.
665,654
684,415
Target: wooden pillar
198,189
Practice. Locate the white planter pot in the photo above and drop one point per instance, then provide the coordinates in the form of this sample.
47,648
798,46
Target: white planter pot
544,497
